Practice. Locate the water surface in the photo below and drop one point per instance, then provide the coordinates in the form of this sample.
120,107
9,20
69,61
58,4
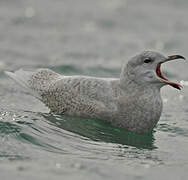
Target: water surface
90,38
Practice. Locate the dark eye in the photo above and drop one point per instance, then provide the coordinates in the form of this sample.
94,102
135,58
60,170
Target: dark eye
147,60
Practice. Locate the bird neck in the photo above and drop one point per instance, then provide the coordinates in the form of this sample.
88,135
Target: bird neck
131,87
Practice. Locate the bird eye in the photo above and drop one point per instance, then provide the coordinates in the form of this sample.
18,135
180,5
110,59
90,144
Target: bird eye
147,60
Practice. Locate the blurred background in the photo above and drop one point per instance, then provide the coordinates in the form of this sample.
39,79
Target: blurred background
91,38
87,33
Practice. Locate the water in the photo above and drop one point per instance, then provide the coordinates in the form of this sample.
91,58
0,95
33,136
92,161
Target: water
89,38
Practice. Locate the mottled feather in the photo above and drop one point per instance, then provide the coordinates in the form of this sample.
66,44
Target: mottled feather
132,102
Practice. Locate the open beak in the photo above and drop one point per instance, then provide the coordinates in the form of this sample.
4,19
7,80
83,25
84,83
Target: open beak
173,57
164,79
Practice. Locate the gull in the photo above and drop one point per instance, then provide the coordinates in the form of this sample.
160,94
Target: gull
132,102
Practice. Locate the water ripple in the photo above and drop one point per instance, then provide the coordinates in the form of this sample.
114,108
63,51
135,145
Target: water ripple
84,138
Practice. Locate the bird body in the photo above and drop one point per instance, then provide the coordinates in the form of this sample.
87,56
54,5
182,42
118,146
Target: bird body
132,102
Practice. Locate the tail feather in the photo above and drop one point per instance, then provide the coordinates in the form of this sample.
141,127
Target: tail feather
22,78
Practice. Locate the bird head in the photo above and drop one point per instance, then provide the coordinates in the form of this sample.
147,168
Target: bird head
144,69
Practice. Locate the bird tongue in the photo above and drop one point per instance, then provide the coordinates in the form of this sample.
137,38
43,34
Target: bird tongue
175,85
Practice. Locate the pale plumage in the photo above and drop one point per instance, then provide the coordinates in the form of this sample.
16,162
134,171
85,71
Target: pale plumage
132,102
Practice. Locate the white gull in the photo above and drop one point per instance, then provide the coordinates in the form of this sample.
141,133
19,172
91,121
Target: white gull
132,102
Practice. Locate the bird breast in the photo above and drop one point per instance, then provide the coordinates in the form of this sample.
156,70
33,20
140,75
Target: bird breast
140,112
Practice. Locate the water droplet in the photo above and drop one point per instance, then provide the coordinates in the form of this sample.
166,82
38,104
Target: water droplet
165,100
78,166
184,83
147,166
58,165
181,97
29,12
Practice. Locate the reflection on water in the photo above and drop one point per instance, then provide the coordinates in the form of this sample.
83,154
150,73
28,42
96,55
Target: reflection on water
22,135
98,130
173,130
8,128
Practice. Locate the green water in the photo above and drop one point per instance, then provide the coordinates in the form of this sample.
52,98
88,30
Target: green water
89,38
